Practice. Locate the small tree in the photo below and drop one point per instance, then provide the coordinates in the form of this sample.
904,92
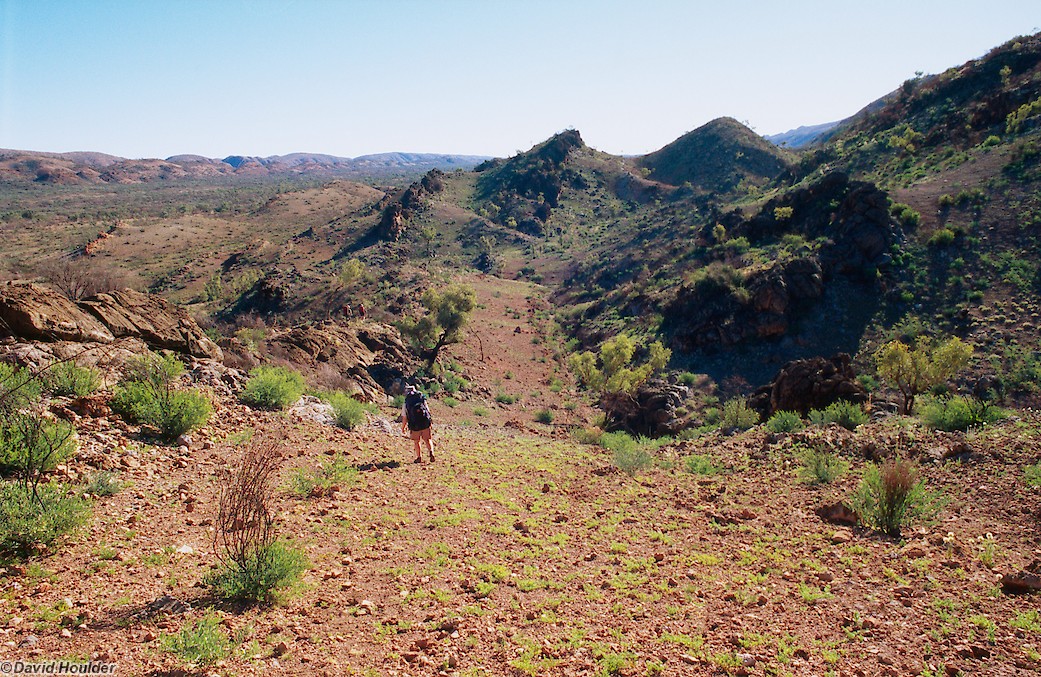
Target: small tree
616,380
915,370
447,313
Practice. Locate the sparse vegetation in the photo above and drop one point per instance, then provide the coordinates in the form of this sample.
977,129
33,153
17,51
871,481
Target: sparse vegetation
272,388
892,495
349,412
842,412
149,396
784,422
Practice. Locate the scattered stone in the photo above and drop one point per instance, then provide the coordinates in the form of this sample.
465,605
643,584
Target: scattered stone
841,536
838,513
1026,581
280,649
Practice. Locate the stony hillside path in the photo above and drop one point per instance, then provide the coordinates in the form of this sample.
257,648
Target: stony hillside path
522,552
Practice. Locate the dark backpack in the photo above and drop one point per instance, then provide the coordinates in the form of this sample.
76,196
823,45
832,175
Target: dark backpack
416,412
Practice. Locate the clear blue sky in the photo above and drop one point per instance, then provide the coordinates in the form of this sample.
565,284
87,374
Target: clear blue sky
154,78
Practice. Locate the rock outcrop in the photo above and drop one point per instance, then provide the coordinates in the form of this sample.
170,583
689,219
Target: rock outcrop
656,410
38,314
35,313
398,209
814,383
366,358
154,320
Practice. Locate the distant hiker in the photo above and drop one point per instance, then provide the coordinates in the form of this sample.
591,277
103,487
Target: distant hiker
361,311
415,418
348,312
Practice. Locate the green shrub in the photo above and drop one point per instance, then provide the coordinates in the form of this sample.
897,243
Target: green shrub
30,443
148,397
687,378
844,413
701,464
906,215
544,416
503,398
65,379
891,497
349,412
30,520
453,383
957,413
784,422
820,467
185,411
103,483
199,643
588,435
737,415
629,455
18,387
265,574
942,237
1032,475
315,482
272,388
398,401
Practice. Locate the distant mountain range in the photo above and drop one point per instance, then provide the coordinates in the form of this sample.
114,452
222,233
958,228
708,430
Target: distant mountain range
90,167
802,136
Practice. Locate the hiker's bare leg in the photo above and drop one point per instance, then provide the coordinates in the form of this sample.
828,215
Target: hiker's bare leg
419,454
430,447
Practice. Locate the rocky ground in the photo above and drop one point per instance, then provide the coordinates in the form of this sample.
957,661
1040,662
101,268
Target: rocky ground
520,551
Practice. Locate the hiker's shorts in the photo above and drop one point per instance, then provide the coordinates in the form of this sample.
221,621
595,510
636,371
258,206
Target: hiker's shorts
418,435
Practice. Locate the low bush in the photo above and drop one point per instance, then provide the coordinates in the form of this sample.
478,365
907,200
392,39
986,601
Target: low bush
263,576
18,387
148,397
892,496
844,413
349,412
957,413
66,379
737,415
1032,475
199,643
784,422
103,483
30,443
588,435
272,388
544,416
629,455
314,482
701,464
504,398
820,467
31,519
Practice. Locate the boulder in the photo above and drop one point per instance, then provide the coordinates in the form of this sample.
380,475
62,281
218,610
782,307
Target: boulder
808,384
157,322
654,411
36,313
365,358
32,313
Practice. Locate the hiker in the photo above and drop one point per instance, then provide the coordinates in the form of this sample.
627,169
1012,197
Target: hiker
348,313
415,418
361,311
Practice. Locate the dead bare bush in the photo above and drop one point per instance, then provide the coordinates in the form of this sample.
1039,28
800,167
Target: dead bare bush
81,277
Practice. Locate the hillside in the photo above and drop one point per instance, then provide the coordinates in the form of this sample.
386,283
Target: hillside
521,551
717,157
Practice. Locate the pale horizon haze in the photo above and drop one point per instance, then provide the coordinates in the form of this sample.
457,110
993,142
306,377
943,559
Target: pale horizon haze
152,79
